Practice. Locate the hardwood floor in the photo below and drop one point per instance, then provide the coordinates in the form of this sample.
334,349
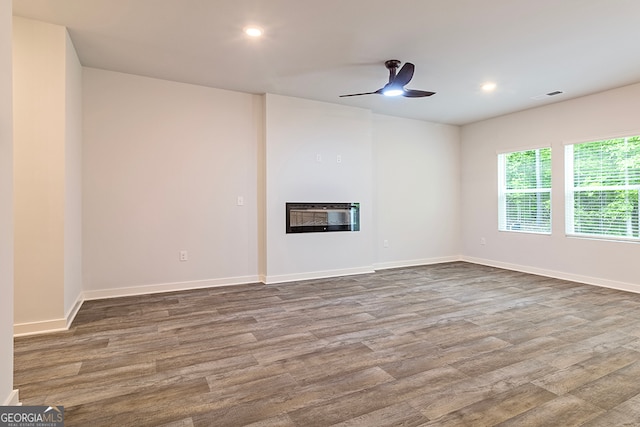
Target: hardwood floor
452,344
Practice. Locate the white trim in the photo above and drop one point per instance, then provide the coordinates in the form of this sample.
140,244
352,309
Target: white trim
415,262
502,199
587,280
317,275
529,190
47,326
58,325
40,327
602,137
629,187
168,287
571,190
603,238
503,213
568,202
13,399
73,311
526,148
537,233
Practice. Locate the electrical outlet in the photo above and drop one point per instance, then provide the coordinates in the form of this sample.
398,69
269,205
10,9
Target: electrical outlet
339,158
184,256
240,201
385,243
483,241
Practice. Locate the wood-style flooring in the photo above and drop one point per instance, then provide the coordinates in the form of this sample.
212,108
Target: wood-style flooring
453,344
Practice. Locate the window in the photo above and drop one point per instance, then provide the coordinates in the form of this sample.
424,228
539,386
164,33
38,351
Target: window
524,191
602,184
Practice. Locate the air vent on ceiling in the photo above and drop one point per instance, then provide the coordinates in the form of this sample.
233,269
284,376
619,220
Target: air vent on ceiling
546,95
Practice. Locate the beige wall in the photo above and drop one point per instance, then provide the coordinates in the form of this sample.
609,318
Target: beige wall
72,180
164,164
45,200
592,261
297,132
417,191
6,208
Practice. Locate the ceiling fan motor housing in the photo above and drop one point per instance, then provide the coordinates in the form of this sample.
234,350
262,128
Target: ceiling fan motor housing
392,63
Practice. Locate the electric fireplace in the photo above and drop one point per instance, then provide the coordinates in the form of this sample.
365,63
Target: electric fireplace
320,217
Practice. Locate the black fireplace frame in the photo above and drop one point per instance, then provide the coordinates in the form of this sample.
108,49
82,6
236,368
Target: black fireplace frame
332,216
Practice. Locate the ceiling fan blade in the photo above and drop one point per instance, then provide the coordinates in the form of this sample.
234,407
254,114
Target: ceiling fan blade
364,93
397,81
413,93
404,75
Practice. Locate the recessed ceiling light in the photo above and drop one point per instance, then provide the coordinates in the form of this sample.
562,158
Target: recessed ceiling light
488,87
253,31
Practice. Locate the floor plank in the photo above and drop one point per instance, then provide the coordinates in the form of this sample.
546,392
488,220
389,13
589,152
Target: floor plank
439,345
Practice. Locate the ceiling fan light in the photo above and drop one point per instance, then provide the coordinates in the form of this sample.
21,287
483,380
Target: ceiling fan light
392,92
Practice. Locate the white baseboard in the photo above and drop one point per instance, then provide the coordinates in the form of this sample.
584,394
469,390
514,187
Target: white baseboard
40,327
415,262
317,275
12,400
57,325
595,281
168,287
71,314
48,326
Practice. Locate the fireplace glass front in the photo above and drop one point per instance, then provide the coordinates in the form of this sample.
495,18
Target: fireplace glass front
319,217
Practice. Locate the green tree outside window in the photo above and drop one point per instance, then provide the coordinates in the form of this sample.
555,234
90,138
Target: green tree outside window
525,191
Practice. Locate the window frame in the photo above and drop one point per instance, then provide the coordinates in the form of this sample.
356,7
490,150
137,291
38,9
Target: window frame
570,189
503,191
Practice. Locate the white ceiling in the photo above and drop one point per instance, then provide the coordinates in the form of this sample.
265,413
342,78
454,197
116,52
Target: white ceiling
320,49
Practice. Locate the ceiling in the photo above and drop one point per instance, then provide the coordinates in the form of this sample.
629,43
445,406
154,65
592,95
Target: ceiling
320,49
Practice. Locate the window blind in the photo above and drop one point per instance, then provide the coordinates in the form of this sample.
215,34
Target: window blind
603,182
524,191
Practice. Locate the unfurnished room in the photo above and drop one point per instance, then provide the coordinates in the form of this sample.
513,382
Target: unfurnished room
320,213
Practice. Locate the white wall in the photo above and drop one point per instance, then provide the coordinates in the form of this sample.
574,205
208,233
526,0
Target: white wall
297,131
164,163
7,396
163,166
417,191
588,118
39,175
73,181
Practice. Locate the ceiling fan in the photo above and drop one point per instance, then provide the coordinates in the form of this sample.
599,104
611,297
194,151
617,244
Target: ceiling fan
397,81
